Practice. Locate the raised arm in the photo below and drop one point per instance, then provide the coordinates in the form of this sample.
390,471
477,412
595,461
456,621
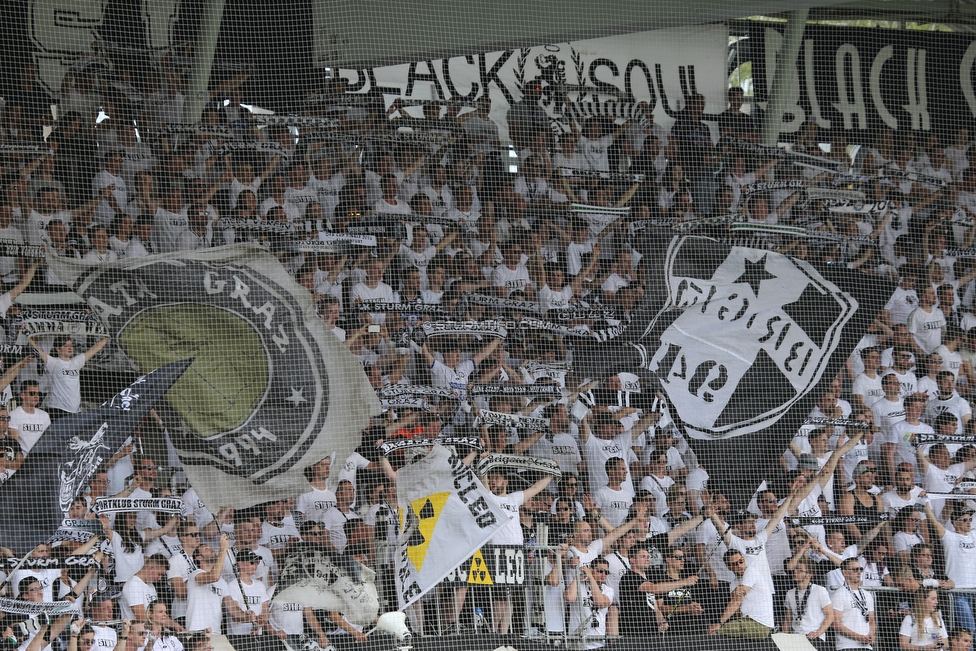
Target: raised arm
40,353
937,526
25,280
486,351
94,350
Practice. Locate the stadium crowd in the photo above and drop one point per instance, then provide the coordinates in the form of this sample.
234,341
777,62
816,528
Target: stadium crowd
641,536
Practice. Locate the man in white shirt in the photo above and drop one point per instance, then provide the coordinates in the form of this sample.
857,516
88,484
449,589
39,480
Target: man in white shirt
511,275
170,221
207,592
510,533
28,422
866,389
947,400
752,601
453,373
110,177
614,499
926,323
904,299
373,289
890,409
854,622
139,593
960,558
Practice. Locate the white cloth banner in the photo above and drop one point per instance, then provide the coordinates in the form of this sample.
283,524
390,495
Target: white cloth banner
446,514
660,67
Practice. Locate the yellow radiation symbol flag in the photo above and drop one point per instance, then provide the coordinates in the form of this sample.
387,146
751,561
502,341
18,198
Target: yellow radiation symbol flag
478,574
428,510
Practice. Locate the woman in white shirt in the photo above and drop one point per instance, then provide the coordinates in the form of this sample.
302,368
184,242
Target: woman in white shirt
924,627
65,371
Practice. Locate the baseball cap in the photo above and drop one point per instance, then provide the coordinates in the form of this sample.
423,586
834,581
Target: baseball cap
860,469
247,556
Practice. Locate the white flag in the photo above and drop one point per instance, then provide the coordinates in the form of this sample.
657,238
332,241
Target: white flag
446,514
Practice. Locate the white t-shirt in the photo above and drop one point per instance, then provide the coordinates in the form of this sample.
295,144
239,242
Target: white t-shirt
956,405
354,463
136,592
287,617
455,379
926,328
598,451
614,504
960,555
849,608
868,388
900,434
335,521
315,504
167,228
754,553
510,533
65,392
887,413
327,192
565,452
511,279
105,638
29,427
104,213
382,293
278,536
901,304
256,596
808,621
926,634
204,604
595,153
126,563
757,605
179,568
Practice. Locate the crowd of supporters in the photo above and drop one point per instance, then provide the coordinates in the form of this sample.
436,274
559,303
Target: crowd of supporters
640,536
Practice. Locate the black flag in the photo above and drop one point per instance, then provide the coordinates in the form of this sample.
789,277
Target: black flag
739,340
33,502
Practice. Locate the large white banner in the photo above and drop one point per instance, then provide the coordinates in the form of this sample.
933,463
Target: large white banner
445,515
602,76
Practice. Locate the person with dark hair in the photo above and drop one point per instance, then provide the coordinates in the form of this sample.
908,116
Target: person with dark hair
809,610
946,399
959,547
676,588
28,421
638,605
589,598
854,618
751,600
960,639
181,565
139,593
939,472
64,368
127,544
314,504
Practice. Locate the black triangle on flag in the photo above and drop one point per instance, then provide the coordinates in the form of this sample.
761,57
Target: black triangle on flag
72,450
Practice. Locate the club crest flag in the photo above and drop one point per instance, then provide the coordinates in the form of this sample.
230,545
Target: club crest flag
271,390
446,514
741,341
